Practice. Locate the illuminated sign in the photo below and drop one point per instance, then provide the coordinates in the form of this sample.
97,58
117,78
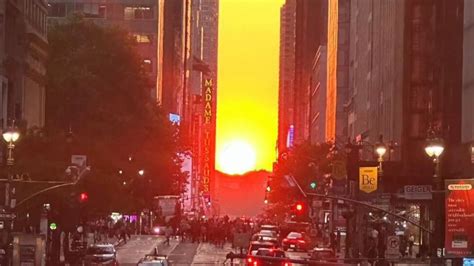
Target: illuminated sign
208,136
368,179
174,118
290,137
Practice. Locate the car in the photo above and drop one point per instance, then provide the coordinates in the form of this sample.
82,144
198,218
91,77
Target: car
295,241
270,227
255,245
323,254
101,254
264,238
154,259
268,233
268,257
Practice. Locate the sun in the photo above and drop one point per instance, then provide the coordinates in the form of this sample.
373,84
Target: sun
237,157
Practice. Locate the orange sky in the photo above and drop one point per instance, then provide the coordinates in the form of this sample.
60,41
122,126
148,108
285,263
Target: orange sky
247,104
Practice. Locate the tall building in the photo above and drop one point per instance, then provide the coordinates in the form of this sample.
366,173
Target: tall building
143,19
337,69
23,54
173,31
201,100
310,30
468,74
317,127
286,75
376,70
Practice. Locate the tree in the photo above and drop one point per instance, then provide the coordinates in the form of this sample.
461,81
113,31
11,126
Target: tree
304,162
98,104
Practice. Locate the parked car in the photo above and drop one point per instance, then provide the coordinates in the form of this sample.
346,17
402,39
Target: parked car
101,254
296,241
323,254
268,257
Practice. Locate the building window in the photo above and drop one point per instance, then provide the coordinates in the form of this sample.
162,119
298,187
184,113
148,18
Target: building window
143,38
57,9
91,10
147,65
137,12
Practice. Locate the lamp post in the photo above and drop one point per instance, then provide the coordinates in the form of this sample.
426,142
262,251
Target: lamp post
434,148
380,149
10,136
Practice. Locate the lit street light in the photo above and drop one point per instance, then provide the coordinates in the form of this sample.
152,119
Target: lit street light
380,149
434,148
11,136
141,172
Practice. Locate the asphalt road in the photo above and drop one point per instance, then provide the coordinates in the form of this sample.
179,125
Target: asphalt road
136,248
183,254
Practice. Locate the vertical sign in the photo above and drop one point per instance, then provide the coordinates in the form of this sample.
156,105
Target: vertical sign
208,136
368,179
459,228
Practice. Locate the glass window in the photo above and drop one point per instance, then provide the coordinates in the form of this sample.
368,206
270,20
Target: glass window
137,12
93,10
57,9
143,38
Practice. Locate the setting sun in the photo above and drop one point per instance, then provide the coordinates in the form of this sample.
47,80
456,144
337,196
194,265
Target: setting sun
237,157
247,105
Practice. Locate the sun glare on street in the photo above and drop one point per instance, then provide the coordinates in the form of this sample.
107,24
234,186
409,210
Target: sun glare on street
237,157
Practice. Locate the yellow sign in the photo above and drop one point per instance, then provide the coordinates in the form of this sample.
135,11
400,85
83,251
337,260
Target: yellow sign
368,179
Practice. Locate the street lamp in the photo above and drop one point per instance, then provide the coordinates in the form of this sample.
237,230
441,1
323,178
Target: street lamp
434,149
380,149
11,136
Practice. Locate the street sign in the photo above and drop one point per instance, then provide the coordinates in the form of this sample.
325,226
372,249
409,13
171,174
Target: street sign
418,192
393,247
79,160
368,179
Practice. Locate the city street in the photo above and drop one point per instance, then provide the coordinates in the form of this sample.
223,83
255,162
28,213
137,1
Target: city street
136,248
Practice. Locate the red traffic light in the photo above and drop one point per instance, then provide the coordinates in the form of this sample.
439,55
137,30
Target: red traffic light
299,207
83,197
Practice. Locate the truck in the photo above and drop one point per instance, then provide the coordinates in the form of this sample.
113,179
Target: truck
166,207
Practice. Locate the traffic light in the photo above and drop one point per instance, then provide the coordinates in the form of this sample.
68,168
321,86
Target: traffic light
313,185
269,188
299,207
83,197
53,226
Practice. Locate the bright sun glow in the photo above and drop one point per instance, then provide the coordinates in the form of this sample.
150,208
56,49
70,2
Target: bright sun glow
237,157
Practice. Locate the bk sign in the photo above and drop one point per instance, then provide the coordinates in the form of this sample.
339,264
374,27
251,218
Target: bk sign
368,179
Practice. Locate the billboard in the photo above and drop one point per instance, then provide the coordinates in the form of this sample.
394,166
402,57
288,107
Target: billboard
459,228
368,179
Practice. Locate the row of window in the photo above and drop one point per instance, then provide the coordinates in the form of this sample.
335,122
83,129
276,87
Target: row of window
97,10
36,16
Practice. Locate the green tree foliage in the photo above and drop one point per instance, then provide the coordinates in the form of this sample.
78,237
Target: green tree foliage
98,88
305,163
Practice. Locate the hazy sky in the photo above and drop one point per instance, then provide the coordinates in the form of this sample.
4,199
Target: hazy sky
247,105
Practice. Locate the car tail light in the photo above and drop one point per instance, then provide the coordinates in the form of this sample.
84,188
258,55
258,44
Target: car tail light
286,264
285,240
249,260
301,241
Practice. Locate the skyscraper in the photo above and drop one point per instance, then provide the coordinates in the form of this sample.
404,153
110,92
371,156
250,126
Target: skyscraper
286,76
201,100
23,53
337,69
142,19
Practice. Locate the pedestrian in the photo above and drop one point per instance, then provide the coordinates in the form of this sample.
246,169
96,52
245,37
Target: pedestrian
411,242
168,232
